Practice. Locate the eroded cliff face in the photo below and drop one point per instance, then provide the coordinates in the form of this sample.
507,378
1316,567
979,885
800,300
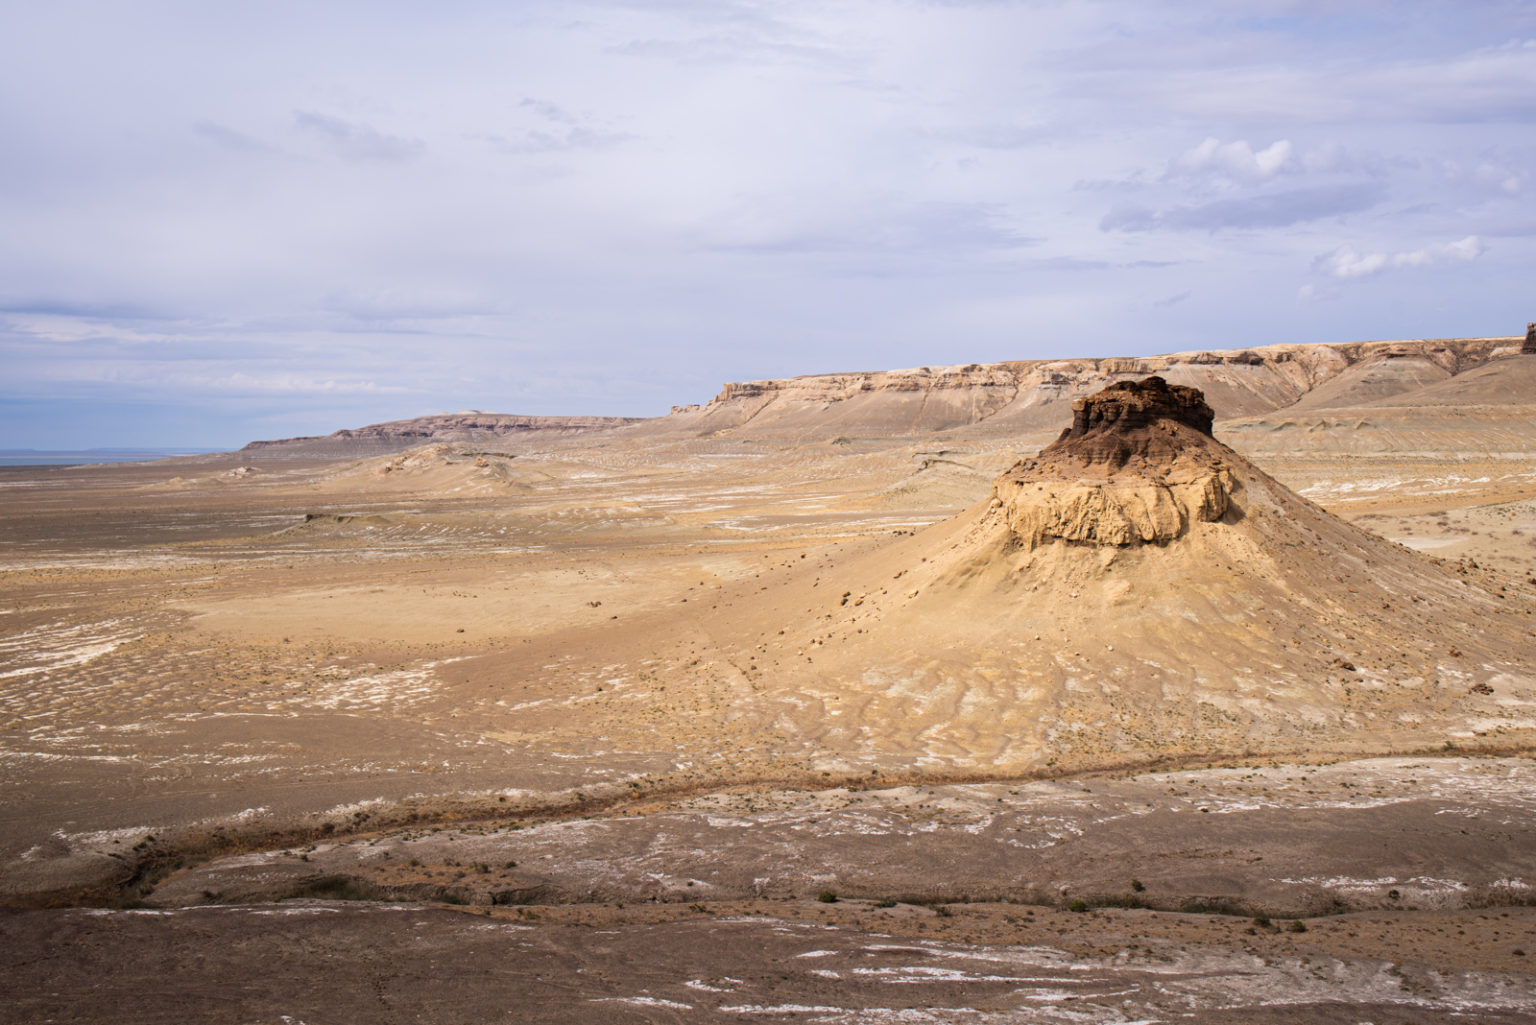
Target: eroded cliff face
1137,466
1025,396
1144,509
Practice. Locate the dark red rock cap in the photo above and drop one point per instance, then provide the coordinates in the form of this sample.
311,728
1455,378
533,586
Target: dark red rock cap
1127,405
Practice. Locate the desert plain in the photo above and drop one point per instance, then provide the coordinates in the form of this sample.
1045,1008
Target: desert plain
999,693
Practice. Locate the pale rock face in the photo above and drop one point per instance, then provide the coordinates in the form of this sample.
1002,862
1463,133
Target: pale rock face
1137,466
1139,510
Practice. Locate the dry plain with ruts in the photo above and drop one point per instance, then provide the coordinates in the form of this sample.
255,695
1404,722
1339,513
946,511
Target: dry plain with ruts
596,715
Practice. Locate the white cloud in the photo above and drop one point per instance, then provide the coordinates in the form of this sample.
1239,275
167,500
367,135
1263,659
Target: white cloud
1495,176
1236,160
354,141
1346,262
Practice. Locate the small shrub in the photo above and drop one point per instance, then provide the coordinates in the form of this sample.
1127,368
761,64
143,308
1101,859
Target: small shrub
1138,885
827,897
1077,905
1129,900
1297,925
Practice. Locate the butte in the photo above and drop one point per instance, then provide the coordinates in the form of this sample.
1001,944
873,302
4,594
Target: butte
1137,593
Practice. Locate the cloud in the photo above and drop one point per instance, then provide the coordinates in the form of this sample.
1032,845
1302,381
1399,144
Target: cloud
242,383
357,142
1496,176
549,111
1432,82
912,231
1270,210
1347,263
1236,160
737,34
409,303
998,136
559,131
229,139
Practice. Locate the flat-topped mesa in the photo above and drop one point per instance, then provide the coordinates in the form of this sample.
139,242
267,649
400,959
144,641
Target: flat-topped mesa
1137,466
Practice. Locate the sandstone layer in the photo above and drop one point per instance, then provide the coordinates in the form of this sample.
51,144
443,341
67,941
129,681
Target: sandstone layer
996,399
1122,473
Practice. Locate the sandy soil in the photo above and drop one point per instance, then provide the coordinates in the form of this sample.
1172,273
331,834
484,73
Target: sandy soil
804,962
604,693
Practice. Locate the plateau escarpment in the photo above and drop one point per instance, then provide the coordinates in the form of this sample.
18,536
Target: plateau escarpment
985,401
1022,397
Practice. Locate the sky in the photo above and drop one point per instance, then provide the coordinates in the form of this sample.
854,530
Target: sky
223,222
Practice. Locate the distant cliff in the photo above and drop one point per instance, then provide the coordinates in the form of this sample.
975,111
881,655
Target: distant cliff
1025,396
978,399
471,427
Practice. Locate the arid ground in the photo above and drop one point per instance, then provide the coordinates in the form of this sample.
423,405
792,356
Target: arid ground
774,710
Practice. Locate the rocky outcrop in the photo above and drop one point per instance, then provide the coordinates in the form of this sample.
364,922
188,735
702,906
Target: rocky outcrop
1137,466
1118,513
1529,348
1131,405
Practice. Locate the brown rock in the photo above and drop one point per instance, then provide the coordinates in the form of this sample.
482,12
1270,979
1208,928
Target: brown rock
1127,405
1137,466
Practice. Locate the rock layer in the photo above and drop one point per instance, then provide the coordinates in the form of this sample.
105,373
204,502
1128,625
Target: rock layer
1021,397
1137,466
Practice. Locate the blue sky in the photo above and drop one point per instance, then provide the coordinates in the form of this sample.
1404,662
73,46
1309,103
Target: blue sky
223,222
